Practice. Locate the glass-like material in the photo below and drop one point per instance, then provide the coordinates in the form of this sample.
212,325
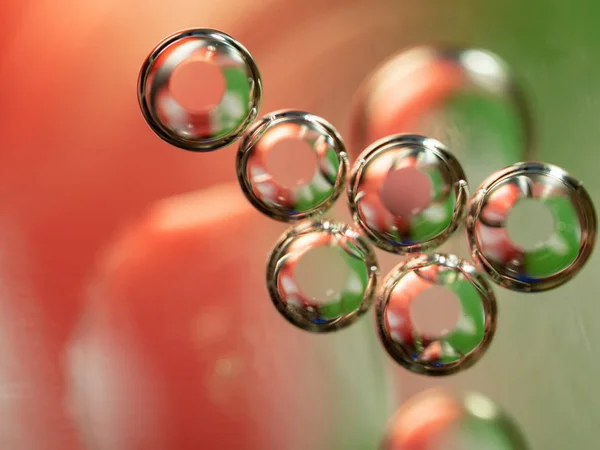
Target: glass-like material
444,420
550,264
266,193
459,348
468,98
203,130
420,229
338,310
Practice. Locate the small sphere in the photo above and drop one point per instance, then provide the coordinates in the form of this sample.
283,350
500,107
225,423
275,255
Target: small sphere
339,309
440,419
549,264
165,100
393,173
456,349
266,193
468,98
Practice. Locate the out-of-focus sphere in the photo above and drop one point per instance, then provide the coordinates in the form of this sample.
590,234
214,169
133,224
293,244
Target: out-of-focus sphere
186,124
443,420
467,98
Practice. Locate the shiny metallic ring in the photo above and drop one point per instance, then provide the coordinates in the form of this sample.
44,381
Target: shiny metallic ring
457,349
339,310
265,193
558,259
423,229
202,130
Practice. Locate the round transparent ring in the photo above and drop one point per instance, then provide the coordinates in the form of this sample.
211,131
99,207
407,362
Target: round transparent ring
454,351
304,312
208,130
270,197
432,226
554,262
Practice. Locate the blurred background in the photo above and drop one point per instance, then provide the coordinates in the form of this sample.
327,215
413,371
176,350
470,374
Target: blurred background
133,312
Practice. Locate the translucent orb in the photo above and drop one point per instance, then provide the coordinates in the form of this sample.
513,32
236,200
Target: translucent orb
408,193
468,98
549,263
443,420
449,352
337,309
199,89
309,199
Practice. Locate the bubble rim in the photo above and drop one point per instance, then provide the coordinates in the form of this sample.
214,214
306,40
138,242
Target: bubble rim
205,144
585,211
488,304
318,226
255,132
459,184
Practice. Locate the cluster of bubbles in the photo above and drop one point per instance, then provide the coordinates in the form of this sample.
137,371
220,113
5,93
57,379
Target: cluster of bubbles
377,221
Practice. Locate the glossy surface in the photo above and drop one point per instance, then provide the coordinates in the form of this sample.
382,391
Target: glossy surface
207,129
550,264
422,228
338,310
455,350
468,98
444,420
266,193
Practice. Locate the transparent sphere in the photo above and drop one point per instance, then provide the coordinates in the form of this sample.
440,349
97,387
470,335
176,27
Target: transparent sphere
408,193
443,420
467,98
336,309
453,350
199,89
268,194
549,263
